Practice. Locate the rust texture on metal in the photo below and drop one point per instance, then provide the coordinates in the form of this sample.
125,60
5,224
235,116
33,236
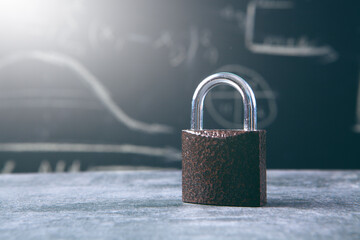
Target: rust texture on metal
224,167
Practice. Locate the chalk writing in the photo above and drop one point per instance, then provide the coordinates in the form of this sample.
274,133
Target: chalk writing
278,45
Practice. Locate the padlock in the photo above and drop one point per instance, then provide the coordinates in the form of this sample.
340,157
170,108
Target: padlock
225,167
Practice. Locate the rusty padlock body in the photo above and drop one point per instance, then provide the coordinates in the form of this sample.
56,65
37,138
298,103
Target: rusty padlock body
224,167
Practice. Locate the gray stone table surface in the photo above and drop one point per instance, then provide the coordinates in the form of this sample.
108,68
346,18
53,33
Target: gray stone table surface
147,205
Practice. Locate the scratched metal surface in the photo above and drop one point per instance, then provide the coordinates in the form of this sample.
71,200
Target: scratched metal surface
147,205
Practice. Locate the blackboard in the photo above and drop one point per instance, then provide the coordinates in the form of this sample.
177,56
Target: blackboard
87,85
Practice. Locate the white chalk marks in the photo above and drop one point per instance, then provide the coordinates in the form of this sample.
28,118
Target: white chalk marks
278,45
93,83
8,167
45,166
170,153
224,102
179,49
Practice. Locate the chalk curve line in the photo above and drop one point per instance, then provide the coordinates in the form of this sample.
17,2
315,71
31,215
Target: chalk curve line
92,82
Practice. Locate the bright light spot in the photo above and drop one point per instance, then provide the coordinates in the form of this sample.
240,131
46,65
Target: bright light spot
25,19
20,13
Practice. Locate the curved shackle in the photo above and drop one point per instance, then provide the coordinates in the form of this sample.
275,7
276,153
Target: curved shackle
248,98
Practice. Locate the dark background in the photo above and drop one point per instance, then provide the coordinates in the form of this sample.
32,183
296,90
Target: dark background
83,82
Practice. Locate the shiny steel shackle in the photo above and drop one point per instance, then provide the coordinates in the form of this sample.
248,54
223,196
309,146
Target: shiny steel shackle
224,78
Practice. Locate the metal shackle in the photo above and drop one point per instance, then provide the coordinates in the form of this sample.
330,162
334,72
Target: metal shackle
248,98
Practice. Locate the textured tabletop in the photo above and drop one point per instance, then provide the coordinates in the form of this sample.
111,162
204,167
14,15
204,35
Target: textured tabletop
147,205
